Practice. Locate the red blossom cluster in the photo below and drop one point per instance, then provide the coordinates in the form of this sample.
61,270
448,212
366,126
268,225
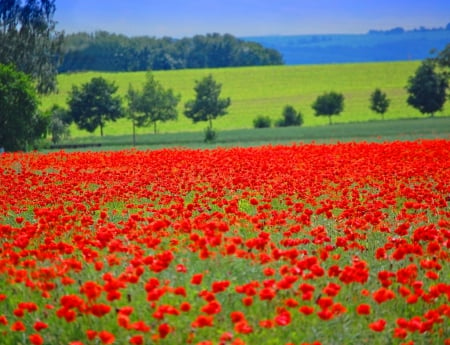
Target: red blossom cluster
302,244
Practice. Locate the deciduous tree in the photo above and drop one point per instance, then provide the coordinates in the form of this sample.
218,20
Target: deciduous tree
379,102
290,117
207,105
29,40
427,89
94,104
329,104
152,104
21,125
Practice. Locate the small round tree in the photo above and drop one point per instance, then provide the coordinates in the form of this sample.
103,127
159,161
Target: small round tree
427,89
379,102
290,117
329,104
262,121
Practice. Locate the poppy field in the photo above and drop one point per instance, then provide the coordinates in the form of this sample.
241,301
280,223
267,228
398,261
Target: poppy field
343,243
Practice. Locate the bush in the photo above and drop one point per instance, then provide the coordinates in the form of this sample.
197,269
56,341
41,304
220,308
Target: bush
210,135
262,122
290,117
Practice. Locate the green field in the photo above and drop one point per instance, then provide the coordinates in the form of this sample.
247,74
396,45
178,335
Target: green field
372,131
265,91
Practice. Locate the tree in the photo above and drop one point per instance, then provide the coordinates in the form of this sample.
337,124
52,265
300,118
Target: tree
290,117
329,104
443,58
152,104
427,89
21,125
207,104
94,104
379,102
59,122
29,40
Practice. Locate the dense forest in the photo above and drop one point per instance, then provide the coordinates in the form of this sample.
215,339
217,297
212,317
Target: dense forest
103,51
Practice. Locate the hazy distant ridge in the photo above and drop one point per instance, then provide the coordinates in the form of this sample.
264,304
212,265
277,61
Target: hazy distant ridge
392,45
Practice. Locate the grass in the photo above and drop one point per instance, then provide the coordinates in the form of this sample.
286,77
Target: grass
387,130
265,91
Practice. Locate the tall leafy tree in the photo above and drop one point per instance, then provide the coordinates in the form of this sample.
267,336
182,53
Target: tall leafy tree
207,104
379,102
427,89
29,40
329,104
21,126
92,105
152,104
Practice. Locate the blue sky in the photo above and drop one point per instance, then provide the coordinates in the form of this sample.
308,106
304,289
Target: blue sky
185,18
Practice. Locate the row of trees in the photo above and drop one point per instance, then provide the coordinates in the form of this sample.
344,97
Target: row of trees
103,51
96,102
328,104
30,49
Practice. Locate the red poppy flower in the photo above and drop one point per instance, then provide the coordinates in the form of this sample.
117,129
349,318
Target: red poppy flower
106,337
363,309
378,326
36,339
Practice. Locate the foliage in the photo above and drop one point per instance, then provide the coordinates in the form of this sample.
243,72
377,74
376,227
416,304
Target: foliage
94,104
379,102
152,104
59,121
329,104
103,51
290,117
265,90
427,89
262,121
207,105
21,126
29,40
443,58
210,135
297,244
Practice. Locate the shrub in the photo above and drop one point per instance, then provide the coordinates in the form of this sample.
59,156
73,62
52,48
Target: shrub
210,135
262,122
290,117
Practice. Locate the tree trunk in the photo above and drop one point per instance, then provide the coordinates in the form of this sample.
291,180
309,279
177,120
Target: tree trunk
101,130
329,119
154,127
210,122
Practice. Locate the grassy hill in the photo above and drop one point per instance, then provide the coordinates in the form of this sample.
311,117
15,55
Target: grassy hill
265,91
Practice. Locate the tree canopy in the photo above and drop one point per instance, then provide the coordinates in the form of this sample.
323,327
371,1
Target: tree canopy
29,40
103,51
290,117
207,105
379,102
329,104
152,104
20,123
94,104
427,89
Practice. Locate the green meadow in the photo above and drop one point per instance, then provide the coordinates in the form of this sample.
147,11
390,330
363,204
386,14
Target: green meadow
265,91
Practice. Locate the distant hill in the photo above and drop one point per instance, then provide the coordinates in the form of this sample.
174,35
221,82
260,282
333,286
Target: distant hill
392,45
